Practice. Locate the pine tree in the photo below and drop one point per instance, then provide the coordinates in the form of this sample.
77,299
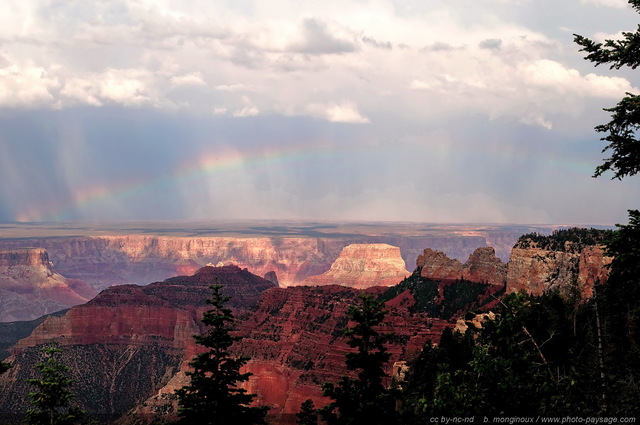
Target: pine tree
621,131
213,396
4,367
365,398
308,415
619,297
53,396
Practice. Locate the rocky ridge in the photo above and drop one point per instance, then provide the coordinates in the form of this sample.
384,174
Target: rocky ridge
102,261
535,266
573,269
293,336
482,266
363,266
137,337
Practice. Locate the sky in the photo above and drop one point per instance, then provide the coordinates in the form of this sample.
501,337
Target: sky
440,111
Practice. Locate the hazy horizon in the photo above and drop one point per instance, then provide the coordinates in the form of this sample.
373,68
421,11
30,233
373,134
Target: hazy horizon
265,228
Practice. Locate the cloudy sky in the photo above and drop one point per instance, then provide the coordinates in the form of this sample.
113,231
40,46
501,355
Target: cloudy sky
412,110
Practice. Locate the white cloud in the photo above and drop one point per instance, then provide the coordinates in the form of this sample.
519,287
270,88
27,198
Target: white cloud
247,111
191,79
319,37
219,111
343,112
536,120
123,86
421,60
554,75
28,86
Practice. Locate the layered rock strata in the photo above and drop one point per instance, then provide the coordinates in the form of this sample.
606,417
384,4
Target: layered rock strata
129,341
294,337
363,266
30,287
102,261
572,268
482,266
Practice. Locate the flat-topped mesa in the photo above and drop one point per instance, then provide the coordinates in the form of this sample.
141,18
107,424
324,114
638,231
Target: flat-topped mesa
363,266
30,287
482,266
571,260
29,257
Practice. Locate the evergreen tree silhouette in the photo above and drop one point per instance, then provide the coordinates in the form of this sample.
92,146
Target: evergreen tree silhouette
213,396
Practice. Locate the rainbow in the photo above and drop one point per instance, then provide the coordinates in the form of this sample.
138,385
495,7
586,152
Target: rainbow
206,166
217,165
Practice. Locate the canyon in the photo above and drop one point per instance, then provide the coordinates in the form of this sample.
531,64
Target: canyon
105,256
88,259
139,338
293,336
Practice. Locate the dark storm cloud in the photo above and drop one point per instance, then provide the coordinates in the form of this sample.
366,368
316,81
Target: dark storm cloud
490,43
373,42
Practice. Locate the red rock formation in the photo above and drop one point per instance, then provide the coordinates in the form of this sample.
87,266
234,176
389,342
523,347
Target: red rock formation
293,336
436,265
574,268
295,343
482,266
113,332
30,288
363,266
102,261
163,312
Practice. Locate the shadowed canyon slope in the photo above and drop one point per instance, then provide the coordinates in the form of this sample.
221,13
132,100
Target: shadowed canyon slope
30,288
293,335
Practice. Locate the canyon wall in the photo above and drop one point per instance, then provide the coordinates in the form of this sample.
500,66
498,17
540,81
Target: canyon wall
102,261
482,266
536,264
573,269
363,266
293,335
30,287
137,341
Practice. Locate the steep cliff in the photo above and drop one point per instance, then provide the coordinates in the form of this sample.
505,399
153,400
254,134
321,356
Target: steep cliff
573,267
293,335
482,266
112,258
570,260
30,288
129,341
109,260
363,266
